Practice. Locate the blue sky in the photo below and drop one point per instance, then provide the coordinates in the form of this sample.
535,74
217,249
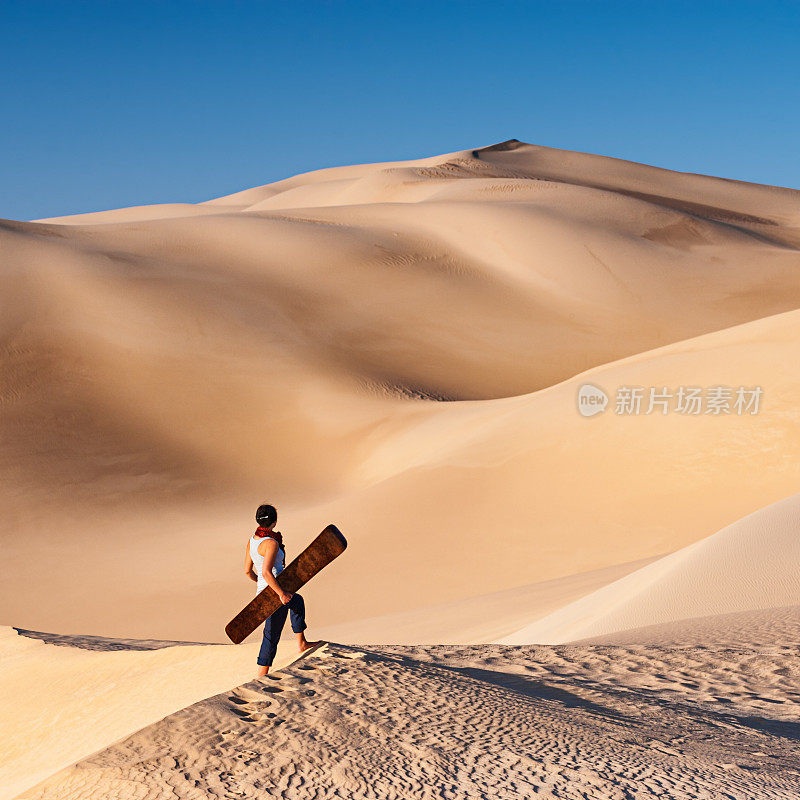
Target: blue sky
121,103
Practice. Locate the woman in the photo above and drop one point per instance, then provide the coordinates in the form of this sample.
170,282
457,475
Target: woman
264,559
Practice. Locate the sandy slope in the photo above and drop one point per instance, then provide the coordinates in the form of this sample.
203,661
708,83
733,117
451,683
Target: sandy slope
60,704
749,565
570,722
548,492
483,618
165,369
64,697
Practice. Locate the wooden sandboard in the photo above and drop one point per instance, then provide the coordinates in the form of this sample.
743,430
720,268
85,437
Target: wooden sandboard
329,544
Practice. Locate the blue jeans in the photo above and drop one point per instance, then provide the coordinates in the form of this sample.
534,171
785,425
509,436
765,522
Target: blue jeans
274,625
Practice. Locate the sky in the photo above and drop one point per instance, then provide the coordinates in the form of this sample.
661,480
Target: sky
111,104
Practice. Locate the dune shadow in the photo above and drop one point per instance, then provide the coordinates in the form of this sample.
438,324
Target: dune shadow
774,727
539,690
87,642
511,682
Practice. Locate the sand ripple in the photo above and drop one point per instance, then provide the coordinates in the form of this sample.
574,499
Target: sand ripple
474,721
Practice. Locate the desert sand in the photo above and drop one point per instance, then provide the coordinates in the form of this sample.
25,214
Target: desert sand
398,348
749,565
710,721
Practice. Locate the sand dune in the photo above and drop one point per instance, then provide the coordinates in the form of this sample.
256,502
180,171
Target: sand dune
64,697
770,630
593,722
746,566
135,213
161,376
537,480
398,348
61,704
478,619
535,490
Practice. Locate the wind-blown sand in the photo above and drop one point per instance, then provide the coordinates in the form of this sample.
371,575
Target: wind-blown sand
397,348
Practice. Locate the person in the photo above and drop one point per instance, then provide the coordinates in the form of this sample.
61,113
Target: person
264,559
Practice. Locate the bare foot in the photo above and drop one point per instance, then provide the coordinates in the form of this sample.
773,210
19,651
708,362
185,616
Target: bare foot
262,671
303,644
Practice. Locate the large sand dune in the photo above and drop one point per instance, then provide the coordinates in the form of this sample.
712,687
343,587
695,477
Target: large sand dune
165,369
398,348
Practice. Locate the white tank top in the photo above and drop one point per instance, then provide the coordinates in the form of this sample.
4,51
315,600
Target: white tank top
258,561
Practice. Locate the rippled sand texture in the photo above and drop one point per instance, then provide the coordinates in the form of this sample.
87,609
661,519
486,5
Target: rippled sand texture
466,722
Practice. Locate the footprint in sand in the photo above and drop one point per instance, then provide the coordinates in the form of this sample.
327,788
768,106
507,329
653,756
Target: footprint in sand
242,696
250,706
263,719
349,656
273,689
247,755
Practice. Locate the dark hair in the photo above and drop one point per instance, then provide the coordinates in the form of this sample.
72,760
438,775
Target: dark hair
266,515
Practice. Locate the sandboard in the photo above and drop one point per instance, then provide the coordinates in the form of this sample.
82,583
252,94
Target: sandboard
329,544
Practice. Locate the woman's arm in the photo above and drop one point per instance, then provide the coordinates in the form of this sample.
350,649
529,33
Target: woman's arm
269,552
248,564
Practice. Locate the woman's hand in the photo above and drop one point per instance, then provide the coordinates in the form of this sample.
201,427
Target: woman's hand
285,598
